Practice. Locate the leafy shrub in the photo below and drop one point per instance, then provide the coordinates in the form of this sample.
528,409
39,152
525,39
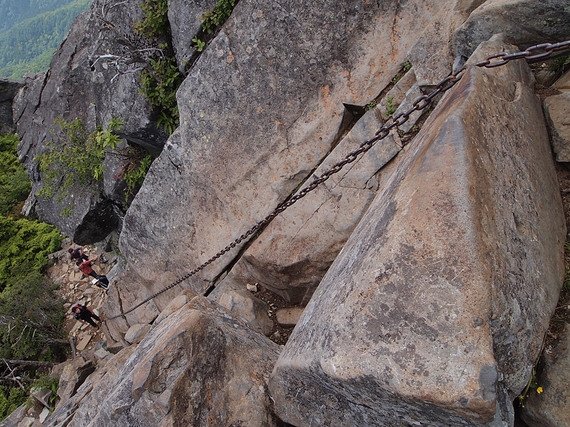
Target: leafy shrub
218,15
160,79
47,382
10,400
155,21
136,163
213,19
25,242
31,318
77,158
159,86
14,182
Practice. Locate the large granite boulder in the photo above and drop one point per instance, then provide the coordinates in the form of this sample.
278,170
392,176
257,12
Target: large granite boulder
260,109
185,22
557,110
197,366
81,84
524,23
435,310
296,249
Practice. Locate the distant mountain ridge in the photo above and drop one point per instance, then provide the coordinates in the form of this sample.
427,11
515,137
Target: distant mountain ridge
30,31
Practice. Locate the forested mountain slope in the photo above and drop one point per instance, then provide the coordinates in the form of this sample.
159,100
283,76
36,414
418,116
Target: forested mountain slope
31,30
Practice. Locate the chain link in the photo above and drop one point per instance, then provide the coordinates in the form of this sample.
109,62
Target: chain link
532,53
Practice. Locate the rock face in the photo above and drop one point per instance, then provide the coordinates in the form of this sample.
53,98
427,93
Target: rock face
525,22
184,18
197,366
297,248
81,85
446,254
8,90
557,109
435,282
282,75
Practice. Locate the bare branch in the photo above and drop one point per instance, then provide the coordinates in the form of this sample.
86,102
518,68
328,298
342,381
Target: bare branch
27,363
14,377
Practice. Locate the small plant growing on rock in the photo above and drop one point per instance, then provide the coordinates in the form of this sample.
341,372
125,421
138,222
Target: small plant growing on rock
406,66
160,78
77,159
159,85
200,45
218,15
390,107
134,166
213,19
530,387
155,21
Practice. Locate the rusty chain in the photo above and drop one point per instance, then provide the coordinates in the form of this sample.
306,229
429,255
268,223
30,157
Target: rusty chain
532,53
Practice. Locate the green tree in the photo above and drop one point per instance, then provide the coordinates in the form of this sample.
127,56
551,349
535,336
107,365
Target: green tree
14,182
10,399
24,246
31,30
31,316
76,157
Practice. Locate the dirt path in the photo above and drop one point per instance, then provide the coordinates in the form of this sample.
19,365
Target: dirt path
75,287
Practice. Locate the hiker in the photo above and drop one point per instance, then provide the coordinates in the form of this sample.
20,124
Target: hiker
102,283
85,268
77,254
84,315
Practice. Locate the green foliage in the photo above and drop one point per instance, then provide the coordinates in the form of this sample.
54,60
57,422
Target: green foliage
33,30
155,21
390,107
47,382
406,66
136,163
159,86
31,317
10,400
25,242
212,19
161,79
217,16
559,64
78,158
370,105
14,182
15,11
135,176
200,45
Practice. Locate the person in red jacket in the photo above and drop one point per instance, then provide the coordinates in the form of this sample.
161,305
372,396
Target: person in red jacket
85,268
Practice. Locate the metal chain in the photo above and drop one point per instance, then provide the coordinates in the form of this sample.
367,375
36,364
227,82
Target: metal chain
532,53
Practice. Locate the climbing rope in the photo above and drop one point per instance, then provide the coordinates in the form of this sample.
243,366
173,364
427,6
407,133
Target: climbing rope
533,53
